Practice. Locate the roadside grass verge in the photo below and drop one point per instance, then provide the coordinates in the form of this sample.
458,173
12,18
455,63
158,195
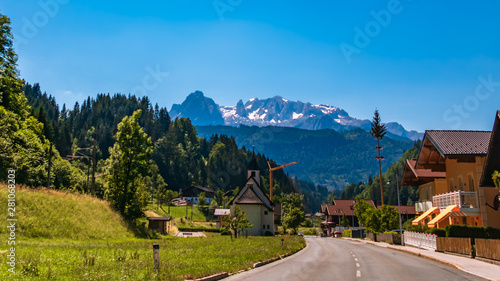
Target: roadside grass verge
132,258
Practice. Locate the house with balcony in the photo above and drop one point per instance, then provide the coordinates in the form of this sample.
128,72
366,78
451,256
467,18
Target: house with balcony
489,196
447,173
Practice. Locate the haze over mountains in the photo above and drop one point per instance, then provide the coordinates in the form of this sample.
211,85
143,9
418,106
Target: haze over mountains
278,111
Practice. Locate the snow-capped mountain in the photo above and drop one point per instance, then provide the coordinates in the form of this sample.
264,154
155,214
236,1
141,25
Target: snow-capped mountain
276,111
200,109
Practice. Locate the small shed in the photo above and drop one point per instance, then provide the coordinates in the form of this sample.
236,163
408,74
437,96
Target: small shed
160,224
220,213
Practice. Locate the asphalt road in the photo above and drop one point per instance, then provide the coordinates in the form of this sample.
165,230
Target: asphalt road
339,259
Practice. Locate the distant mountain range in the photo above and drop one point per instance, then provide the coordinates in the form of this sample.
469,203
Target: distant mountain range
278,111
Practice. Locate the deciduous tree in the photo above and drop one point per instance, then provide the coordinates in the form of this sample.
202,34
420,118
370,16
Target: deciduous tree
237,221
128,164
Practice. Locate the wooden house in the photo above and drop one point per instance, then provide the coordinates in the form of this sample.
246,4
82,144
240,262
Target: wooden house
447,173
489,196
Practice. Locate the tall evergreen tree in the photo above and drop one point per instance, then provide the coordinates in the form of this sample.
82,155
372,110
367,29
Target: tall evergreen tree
11,93
378,131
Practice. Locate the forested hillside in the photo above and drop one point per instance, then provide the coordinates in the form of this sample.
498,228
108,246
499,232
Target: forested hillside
326,157
371,189
181,158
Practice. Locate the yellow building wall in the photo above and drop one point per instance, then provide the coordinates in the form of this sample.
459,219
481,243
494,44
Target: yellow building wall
440,186
458,175
490,217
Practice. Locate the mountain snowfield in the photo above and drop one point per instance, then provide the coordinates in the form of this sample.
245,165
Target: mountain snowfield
276,111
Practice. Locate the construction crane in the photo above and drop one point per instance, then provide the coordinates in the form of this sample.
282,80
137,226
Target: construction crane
271,175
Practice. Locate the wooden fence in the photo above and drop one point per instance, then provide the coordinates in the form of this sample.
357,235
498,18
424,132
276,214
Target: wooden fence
454,245
371,236
488,248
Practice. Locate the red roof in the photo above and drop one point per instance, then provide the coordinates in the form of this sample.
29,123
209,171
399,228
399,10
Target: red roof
424,173
341,207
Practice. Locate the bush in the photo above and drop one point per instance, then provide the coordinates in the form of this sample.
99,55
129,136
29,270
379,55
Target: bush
347,233
472,231
307,223
268,233
310,231
493,233
440,232
420,228
225,232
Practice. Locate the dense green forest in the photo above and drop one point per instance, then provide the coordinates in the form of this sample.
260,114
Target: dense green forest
181,157
326,157
371,189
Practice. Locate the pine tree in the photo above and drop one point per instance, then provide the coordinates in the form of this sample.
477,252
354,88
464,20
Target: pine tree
378,131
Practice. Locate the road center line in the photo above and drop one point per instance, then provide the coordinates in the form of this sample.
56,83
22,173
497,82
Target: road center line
358,273
357,264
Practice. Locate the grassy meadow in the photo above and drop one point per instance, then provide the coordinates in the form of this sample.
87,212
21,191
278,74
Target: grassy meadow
178,212
75,237
132,259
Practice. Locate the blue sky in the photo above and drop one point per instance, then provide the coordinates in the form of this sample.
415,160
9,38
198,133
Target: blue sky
424,64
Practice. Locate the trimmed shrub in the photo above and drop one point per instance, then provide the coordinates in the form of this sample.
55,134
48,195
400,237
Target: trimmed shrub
440,232
268,233
472,231
225,232
347,233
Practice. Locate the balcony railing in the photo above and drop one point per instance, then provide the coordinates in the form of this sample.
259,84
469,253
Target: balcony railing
423,206
463,199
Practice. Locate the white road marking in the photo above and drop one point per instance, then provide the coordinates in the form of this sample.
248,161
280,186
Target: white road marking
356,259
358,273
357,264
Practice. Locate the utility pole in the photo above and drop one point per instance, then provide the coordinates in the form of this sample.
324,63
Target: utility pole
399,208
380,158
94,163
50,165
271,176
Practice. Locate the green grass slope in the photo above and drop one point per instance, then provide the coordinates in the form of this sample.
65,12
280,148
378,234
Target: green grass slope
50,214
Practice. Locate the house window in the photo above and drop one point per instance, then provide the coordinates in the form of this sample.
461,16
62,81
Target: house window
268,226
460,184
253,174
263,226
265,213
